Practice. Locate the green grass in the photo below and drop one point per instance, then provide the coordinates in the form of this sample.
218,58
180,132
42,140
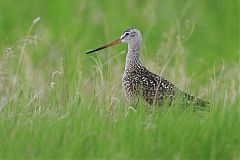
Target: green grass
56,102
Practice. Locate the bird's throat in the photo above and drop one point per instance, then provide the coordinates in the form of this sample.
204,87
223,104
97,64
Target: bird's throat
133,57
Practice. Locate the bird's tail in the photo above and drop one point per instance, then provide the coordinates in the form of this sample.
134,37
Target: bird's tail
192,100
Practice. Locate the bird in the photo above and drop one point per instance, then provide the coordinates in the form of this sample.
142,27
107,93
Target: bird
139,82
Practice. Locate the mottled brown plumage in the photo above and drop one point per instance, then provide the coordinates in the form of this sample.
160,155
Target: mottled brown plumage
139,82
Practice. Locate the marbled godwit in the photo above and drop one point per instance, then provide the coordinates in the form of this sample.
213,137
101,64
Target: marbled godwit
138,82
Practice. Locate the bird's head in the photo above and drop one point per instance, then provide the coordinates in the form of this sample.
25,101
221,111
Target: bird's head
130,36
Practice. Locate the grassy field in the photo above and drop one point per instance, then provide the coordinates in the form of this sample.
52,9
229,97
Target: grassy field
56,102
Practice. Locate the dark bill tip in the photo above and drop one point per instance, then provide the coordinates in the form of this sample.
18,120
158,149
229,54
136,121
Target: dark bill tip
105,46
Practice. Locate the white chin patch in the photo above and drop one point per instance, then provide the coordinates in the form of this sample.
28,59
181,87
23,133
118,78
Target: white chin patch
123,41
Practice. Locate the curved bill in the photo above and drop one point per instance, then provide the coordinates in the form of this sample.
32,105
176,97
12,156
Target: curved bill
105,46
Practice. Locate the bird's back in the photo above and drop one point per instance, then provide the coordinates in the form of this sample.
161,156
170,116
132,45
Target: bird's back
139,82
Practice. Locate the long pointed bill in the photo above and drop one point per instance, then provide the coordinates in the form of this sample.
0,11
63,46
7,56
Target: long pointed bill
105,46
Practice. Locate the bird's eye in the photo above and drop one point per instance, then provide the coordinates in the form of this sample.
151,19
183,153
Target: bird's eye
127,33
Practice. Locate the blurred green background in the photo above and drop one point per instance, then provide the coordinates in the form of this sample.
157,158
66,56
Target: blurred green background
86,24
73,103
209,29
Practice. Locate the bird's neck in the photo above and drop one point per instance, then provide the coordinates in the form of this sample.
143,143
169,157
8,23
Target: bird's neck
133,56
